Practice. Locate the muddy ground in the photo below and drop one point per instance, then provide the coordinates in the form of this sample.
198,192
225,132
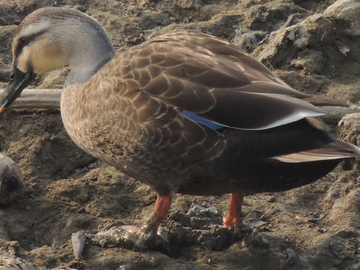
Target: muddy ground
312,45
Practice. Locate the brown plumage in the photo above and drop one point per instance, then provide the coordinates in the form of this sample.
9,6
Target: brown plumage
183,112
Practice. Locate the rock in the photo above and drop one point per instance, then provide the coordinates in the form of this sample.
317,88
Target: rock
78,242
123,237
11,180
247,39
346,10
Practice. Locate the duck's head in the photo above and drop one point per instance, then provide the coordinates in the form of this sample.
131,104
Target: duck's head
50,38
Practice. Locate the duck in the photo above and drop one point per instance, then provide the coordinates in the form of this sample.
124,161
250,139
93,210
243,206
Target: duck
184,112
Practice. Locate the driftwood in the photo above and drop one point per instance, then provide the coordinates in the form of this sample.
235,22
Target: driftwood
335,114
37,99
50,99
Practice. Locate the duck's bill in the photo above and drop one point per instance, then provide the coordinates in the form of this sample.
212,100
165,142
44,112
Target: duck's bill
18,81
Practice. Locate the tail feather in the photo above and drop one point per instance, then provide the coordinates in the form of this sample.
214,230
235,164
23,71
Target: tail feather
335,150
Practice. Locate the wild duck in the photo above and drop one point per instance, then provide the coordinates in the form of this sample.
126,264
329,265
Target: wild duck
184,112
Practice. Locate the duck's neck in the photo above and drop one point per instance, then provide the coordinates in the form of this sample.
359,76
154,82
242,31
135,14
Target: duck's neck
83,72
90,51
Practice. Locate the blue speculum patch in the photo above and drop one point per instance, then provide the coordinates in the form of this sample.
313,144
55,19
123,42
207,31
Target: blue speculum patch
202,120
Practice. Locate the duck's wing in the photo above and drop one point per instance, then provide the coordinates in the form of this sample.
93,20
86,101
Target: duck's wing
209,77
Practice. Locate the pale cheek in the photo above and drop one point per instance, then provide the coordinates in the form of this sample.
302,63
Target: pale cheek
23,60
45,62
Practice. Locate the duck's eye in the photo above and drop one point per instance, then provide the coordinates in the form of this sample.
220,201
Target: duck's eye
24,41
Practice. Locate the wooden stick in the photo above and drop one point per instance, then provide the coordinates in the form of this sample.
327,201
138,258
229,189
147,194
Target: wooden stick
335,114
50,99
37,99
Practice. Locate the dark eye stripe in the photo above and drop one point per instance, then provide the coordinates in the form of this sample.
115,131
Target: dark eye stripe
25,40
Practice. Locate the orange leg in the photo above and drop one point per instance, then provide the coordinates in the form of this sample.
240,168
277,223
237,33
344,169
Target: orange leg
232,218
162,207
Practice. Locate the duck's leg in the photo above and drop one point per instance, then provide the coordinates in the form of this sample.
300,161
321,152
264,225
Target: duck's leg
162,207
232,218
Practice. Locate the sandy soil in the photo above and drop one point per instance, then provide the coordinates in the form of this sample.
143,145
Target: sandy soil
312,45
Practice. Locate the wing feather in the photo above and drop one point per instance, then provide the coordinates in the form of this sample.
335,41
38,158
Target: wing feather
210,77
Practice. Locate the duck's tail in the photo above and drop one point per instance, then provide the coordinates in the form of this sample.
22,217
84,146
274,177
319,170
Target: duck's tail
334,150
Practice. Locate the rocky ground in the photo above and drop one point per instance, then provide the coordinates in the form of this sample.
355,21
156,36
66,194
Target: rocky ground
312,45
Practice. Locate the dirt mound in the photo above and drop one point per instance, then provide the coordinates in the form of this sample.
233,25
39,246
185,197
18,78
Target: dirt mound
312,45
